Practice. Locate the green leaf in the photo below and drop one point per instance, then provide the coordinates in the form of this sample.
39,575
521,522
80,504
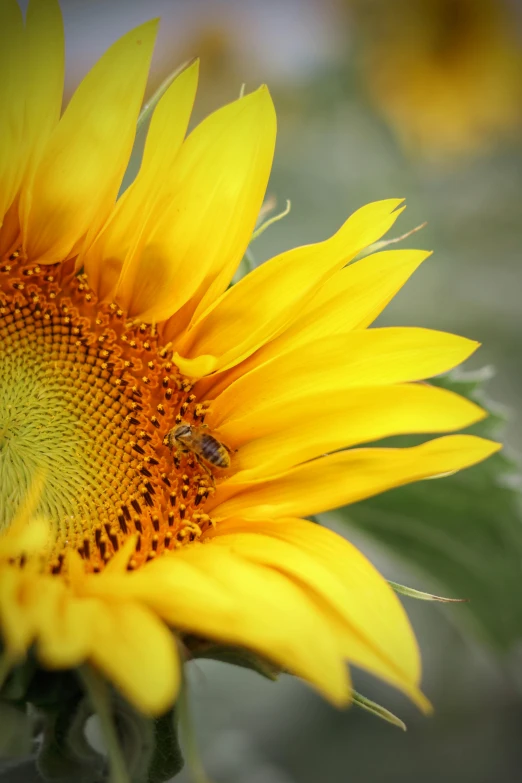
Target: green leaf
237,656
464,531
381,712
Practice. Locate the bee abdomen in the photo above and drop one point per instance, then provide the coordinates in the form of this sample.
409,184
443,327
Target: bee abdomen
214,452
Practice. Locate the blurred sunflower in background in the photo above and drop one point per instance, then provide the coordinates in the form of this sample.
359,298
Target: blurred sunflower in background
445,74
163,436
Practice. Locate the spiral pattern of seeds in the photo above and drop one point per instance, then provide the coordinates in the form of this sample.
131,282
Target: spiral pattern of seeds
86,400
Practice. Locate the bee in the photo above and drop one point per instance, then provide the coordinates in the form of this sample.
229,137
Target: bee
206,448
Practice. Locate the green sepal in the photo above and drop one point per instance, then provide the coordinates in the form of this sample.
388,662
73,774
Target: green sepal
153,101
149,747
46,690
381,712
246,265
167,758
237,656
65,755
410,592
18,680
377,246
55,703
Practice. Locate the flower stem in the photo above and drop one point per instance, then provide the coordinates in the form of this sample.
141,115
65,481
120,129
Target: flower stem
194,764
100,700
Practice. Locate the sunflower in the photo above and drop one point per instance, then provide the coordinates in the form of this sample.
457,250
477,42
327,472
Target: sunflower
445,74
172,431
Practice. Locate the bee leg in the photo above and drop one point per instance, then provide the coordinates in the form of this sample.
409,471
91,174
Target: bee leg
206,469
177,455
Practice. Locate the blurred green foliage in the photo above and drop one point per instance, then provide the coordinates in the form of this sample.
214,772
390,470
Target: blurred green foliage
463,531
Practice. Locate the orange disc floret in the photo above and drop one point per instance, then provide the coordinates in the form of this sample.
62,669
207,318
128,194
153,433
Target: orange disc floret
91,399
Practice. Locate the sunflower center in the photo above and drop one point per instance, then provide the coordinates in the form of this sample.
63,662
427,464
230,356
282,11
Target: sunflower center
87,401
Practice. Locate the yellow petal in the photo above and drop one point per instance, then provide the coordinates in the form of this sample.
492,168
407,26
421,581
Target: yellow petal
276,437
161,584
274,617
104,259
373,357
45,61
136,652
352,298
64,627
35,103
10,229
12,98
208,591
196,368
192,247
80,172
271,296
376,631
27,538
16,614
346,477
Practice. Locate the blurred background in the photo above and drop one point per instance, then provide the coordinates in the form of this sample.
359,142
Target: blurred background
382,98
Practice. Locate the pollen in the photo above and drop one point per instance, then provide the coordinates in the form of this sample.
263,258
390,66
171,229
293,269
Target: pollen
87,399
